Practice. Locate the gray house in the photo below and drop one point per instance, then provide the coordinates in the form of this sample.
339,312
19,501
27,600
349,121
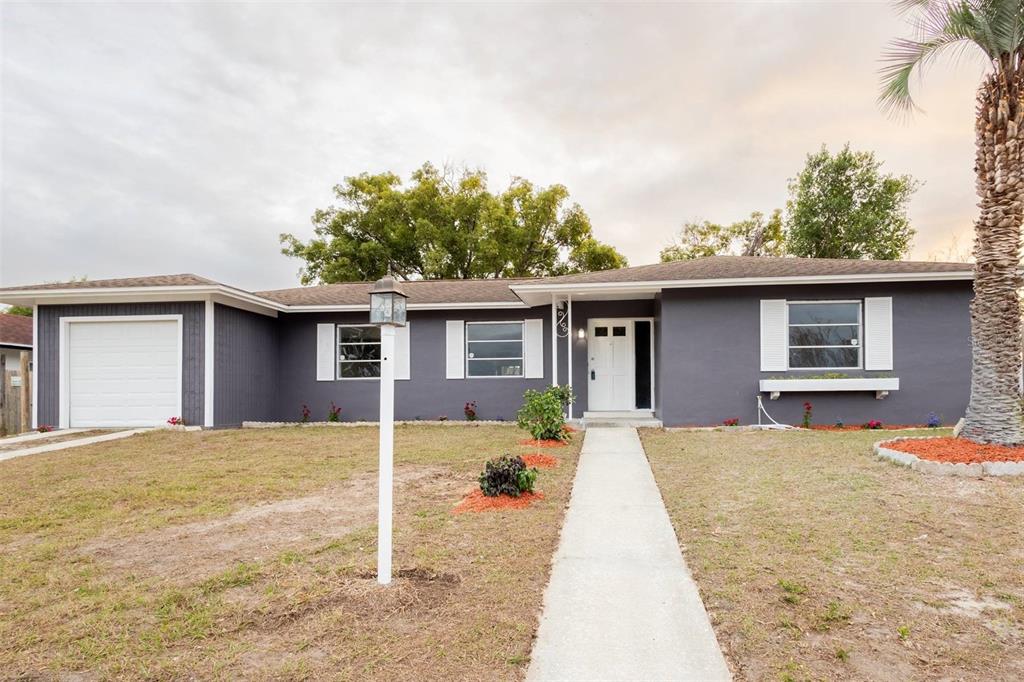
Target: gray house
689,342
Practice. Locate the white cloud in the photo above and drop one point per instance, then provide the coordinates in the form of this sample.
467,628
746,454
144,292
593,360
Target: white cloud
144,138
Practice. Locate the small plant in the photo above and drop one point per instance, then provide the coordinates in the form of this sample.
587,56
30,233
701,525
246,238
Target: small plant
842,654
507,475
733,421
442,418
839,423
305,414
792,591
834,613
44,428
874,425
808,408
469,409
176,421
334,413
934,421
903,632
542,413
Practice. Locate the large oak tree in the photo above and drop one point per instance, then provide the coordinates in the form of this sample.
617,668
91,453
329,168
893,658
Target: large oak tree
447,225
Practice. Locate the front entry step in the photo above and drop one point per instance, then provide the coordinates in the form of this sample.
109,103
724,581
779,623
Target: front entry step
624,419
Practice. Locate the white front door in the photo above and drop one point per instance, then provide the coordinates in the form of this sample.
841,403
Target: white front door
611,376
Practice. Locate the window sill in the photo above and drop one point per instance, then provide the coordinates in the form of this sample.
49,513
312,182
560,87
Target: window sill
880,385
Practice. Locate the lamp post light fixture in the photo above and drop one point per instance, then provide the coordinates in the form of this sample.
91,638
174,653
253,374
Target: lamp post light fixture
387,310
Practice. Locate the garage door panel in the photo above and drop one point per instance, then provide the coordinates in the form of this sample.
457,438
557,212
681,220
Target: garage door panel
123,373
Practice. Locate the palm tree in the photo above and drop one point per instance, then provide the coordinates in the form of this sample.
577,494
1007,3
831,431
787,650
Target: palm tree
996,28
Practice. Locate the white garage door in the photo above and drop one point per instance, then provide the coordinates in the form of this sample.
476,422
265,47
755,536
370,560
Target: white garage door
123,373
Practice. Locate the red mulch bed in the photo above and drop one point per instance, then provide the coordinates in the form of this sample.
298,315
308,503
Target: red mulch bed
957,450
540,460
476,501
858,427
543,443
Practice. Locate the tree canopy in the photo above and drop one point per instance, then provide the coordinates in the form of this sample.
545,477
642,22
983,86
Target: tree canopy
839,206
754,236
447,225
843,206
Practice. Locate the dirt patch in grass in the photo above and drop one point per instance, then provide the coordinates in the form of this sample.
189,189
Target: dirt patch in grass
269,543
259,532
818,561
957,450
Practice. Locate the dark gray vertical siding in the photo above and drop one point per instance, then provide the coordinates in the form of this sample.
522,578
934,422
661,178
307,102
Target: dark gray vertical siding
245,379
711,355
47,364
426,395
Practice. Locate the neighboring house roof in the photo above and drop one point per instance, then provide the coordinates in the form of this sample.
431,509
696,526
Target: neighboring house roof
15,330
640,281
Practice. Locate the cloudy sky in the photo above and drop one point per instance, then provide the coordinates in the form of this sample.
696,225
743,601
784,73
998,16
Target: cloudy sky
161,138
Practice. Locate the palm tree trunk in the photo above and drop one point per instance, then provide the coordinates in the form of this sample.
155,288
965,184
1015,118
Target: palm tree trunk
994,412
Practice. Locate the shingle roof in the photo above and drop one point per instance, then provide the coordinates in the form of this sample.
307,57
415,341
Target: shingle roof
124,282
739,267
441,292
15,329
422,291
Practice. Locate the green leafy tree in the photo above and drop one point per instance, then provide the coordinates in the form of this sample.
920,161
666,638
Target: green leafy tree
754,236
843,206
447,225
995,30
18,310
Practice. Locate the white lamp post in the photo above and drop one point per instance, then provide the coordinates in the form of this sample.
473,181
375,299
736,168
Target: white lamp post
387,309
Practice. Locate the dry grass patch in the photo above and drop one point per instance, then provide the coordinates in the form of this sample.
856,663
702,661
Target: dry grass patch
251,554
818,561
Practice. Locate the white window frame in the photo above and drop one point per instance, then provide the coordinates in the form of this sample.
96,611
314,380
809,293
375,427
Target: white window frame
338,343
860,334
522,350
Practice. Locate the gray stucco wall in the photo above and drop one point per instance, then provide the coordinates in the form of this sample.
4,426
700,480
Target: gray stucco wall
245,380
48,368
710,347
426,395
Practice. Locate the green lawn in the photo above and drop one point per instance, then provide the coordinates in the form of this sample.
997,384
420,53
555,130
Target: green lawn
818,561
251,553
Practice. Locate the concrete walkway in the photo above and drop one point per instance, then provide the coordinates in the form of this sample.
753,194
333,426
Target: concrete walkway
71,443
621,604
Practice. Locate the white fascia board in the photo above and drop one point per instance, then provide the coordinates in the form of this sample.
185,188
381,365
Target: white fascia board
202,292
354,308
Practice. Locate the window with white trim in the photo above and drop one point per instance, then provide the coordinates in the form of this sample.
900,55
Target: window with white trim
494,349
825,335
358,351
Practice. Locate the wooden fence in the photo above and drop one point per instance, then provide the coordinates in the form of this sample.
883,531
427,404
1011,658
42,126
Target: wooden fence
15,396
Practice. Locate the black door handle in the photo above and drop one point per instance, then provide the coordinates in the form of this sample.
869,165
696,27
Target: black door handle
592,374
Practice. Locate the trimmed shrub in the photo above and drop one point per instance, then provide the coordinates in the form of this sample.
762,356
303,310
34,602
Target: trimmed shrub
507,475
543,413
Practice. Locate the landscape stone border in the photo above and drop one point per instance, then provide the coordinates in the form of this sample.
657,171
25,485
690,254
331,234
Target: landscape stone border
926,466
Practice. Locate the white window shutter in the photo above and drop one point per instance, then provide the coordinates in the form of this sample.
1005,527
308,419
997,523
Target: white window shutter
774,335
455,344
533,349
402,352
326,352
877,333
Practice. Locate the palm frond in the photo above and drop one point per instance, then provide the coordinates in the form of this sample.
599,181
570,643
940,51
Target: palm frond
996,27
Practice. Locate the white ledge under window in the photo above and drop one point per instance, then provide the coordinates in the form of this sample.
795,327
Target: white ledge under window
880,385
